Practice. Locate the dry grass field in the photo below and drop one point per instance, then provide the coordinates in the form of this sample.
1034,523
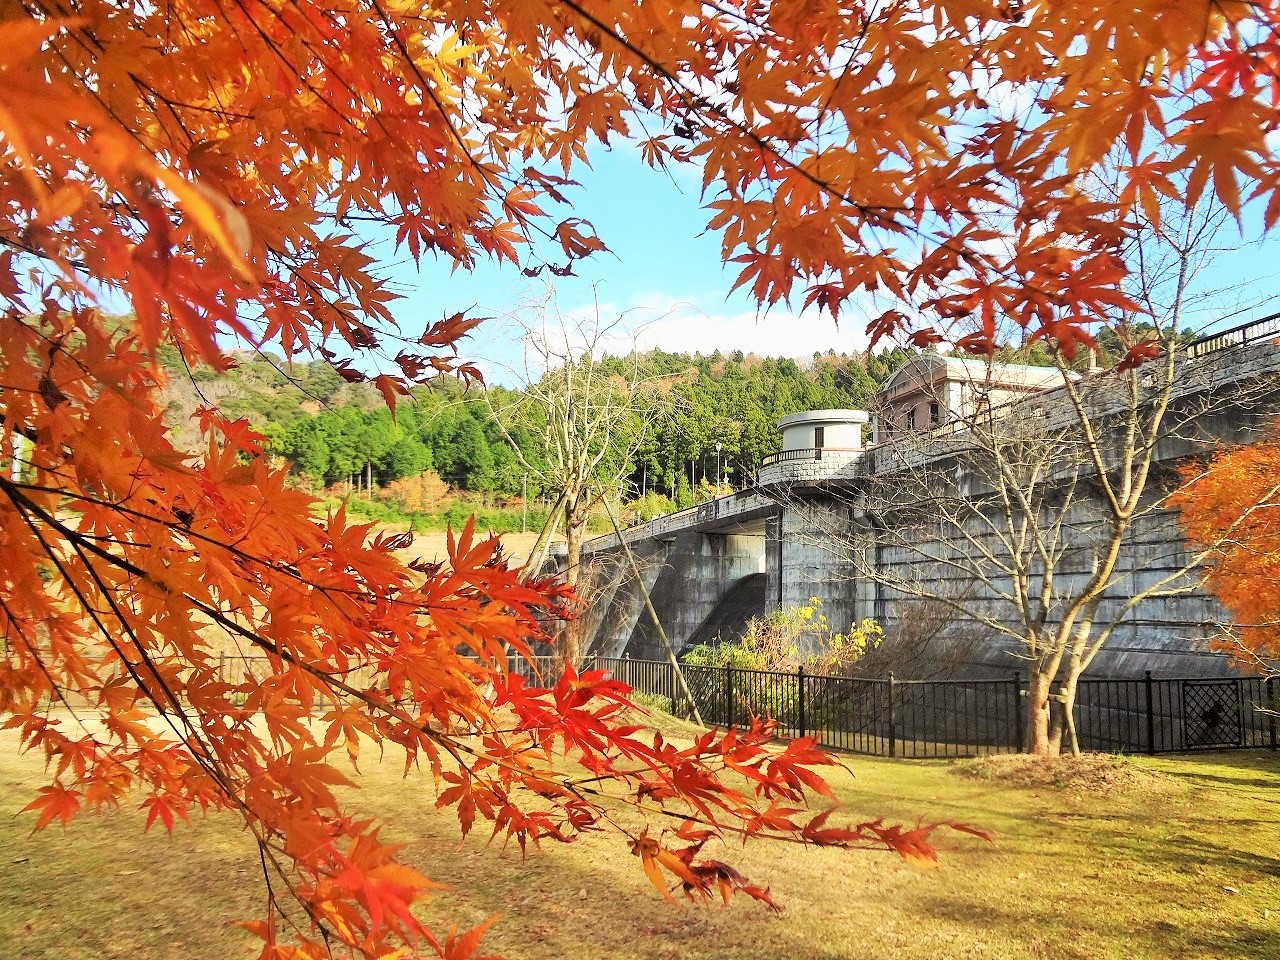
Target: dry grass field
1123,858
433,545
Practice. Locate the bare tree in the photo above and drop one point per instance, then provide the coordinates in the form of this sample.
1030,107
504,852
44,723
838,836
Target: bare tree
1043,518
1032,507
586,404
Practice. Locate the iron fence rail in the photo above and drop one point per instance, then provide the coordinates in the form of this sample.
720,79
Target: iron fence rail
932,718
959,718
1264,328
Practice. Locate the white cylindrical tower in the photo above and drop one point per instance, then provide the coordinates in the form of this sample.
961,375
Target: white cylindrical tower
817,445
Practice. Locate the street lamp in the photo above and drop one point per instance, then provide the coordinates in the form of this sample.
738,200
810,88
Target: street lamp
718,474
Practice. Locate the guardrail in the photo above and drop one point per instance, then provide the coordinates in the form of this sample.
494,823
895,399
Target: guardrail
1255,331
807,453
731,505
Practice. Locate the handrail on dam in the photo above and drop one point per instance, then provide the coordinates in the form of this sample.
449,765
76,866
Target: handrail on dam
1241,336
747,500
806,453
1254,331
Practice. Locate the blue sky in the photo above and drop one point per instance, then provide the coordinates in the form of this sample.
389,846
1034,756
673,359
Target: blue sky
666,269
662,266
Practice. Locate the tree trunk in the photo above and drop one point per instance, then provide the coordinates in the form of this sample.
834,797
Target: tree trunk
1070,684
1057,724
575,526
1044,718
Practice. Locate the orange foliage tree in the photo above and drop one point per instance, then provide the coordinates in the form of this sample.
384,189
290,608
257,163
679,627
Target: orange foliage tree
1231,507
214,168
418,494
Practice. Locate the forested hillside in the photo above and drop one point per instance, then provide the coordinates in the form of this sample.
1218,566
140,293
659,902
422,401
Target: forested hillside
342,435
736,400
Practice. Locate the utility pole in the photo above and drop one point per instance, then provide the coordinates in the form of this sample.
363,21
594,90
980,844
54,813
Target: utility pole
719,477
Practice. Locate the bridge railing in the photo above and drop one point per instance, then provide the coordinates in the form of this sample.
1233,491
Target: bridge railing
913,445
740,501
1265,328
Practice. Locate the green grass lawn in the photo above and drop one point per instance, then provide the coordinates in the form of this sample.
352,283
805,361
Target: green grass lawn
1160,858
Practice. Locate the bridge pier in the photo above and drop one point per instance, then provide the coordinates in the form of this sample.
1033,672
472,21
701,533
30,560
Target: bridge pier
624,606
811,555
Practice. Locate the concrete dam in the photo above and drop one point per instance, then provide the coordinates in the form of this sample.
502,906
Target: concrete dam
885,515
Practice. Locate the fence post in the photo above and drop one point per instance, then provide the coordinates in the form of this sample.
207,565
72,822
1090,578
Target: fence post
1272,706
1018,745
222,667
1151,713
893,719
800,680
728,695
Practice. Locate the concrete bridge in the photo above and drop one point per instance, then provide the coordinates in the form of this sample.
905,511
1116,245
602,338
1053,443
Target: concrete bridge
710,568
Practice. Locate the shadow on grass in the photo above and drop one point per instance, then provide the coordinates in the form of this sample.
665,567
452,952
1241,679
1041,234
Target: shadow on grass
1074,934
1131,894
1243,767
1235,775
1186,846
1145,877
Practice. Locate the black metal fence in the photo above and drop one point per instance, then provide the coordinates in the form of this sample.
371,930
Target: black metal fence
940,718
957,718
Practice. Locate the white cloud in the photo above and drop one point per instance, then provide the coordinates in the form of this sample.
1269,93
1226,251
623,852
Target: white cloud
683,327
658,321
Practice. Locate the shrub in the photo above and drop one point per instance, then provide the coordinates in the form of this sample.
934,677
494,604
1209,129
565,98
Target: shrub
791,638
782,642
648,507
420,494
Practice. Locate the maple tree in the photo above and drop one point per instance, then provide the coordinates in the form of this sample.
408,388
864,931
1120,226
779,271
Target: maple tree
1231,508
214,169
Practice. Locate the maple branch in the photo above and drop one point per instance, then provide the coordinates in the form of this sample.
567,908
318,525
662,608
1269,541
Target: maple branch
455,749
204,756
